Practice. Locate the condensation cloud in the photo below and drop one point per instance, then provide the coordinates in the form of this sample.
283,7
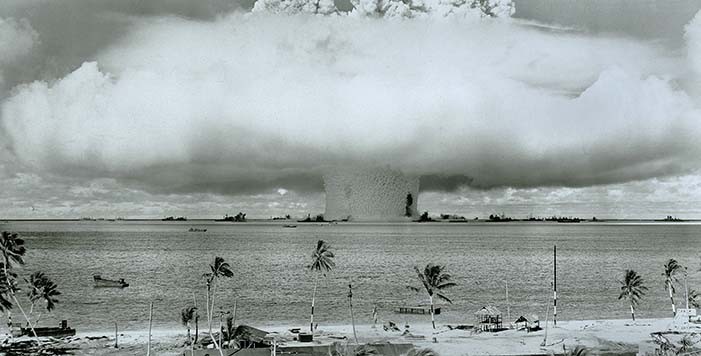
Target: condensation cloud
254,101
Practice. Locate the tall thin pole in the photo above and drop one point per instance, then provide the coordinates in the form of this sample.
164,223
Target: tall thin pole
150,322
221,314
547,312
508,306
686,289
197,318
555,285
350,305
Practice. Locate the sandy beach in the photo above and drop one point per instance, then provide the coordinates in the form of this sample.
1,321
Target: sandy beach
618,336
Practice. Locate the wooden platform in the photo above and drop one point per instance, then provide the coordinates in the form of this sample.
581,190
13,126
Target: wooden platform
417,310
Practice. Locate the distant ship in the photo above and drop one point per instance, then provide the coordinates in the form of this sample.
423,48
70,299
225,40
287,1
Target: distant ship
670,218
101,282
172,218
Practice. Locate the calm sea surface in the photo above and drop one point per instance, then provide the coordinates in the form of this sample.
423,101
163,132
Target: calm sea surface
163,263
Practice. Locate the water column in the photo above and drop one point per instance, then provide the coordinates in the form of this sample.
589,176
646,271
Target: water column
370,194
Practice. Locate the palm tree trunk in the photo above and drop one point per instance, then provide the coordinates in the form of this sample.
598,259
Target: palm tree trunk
632,311
209,322
433,318
192,344
197,318
36,322
671,297
311,320
14,297
211,315
25,317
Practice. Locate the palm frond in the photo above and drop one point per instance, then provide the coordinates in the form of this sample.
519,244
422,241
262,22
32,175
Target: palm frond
443,297
187,315
322,258
12,248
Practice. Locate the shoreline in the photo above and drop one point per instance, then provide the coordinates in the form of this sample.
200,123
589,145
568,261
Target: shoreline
605,336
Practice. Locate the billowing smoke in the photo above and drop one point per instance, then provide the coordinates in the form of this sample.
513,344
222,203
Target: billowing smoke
251,101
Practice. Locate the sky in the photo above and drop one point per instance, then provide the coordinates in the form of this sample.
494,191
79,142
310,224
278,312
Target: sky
171,107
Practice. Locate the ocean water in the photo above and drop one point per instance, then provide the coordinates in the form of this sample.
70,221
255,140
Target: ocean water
164,263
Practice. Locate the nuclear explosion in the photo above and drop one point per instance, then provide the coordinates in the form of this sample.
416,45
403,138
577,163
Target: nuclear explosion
370,194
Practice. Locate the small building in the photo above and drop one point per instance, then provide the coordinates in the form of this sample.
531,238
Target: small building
489,319
521,323
250,337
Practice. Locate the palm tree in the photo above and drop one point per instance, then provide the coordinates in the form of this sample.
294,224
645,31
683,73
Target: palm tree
322,261
695,298
434,280
422,352
632,289
187,316
671,268
42,287
218,269
13,250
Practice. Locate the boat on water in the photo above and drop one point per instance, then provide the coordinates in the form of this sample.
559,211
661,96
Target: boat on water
101,282
60,331
290,226
194,229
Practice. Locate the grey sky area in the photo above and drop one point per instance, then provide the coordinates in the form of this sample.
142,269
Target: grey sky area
141,108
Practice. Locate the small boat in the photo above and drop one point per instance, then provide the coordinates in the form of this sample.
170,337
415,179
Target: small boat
290,226
61,331
194,229
417,310
100,282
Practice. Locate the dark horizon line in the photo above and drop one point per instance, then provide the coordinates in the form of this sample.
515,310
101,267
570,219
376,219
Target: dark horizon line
392,221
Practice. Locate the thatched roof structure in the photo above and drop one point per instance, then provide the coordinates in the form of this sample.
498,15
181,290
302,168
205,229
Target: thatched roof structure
250,334
488,311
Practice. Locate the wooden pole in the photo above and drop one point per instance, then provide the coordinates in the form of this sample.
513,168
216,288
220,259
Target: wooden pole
555,285
150,322
197,318
350,305
545,337
686,288
116,336
221,314
508,306
233,321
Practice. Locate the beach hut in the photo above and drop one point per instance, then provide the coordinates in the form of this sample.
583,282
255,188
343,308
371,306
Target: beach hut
250,337
521,323
489,319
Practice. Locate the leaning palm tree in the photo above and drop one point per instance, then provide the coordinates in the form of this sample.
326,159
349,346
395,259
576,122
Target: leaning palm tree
322,262
632,289
13,250
434,280
218,269
671,268
187,316
41,288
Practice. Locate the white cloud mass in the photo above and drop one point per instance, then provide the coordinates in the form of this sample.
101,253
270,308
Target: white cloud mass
200,101
255,101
